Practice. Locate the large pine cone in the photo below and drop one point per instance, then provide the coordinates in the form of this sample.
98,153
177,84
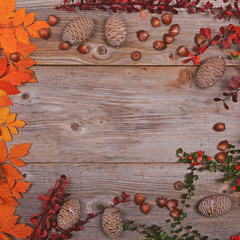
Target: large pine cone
69,214
112,223
115,31
78,30
211,71
214,206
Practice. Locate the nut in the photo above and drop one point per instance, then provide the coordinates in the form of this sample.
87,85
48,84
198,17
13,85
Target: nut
155,22
219,127
139,198
145,208
52,20
172,204
223,146
14,56
162,202
142,35
175,213
221,157
200,39
178,185
44,33
135,56
83,48
183,51
160,45
64,46
174,30
168,38
167,18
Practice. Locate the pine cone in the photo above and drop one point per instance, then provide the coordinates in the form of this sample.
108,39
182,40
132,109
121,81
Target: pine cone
78,30
69,214
115,31
112,223
211,71
214,206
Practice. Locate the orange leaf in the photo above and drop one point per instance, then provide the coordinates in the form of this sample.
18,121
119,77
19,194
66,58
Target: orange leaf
3,66
20,150
25,49
5,101
26,62
17,162
3,151
18,123
8,88
6,196
29,19
34,28
22,35
20,187
20,231
16,78
6,9
19,17
4,236
4,112
9,172
5,134
8,41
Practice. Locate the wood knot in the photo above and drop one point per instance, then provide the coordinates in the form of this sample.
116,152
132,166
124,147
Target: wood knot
25,96
101,50
75,126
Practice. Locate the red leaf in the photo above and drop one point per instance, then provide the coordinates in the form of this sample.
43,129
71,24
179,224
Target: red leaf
217,99
187,60
235,78
3,66
42,197
208,33
225,106
226,44
8,88
222,30
235,97
203,49
34,218
231,27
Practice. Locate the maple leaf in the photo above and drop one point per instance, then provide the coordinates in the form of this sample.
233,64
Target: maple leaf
8,224
6,10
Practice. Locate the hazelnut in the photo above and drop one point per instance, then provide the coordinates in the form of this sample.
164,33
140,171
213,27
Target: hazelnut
219,127
200,39
155,22
167,18
14,56
183,51
44,33
52,20
139,198
160,45
168,38
175,213
145,208
142,35
221,157
172,204
83,48
135,56
223,146
178,185
174,30
162,202
64,46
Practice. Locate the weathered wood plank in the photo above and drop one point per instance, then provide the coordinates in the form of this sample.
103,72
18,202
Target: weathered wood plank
120,114
97,184
48,52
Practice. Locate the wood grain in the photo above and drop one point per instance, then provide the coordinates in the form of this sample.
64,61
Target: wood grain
48,52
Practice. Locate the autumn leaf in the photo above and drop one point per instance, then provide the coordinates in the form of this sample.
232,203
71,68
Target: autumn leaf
4,99
16,78
22,35
25,49
29,19
10,173
35,27
8,88
17,151
18,17
6,9
3,66
20,187
3,151
26,62
6,196
7,40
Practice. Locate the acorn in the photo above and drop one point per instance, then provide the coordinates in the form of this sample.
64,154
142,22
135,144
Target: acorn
200,39
52,20
168,38
223,145
167,18
142,35
155,22
64,46
219,127
160,45
83,48
14,56
44,33
145,208
175,213
174,30
162,202
172,204
139,198
183,51
221,157
178,185
135,56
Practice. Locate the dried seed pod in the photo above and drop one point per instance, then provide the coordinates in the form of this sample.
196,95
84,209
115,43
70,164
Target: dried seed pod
78,31
69,214
210,72
52,20
214,206
83,48
44,33
64,46
115,31
112,223
175,213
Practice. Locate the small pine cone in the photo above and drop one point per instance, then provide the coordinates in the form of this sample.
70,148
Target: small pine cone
112,223
78,30
211,72
115,31
69,214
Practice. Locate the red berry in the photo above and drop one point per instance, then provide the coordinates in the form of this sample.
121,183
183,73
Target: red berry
234,188
238,179
200,152
199,159
209,158
190,157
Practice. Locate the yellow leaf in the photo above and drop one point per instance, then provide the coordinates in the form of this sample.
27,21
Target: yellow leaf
19,17
22,35
4,112
3,151
29,19
18,123
34,28
13,130
6,9
8,41
5,134
10,118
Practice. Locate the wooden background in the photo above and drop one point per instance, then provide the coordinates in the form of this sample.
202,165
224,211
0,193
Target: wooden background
111,124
